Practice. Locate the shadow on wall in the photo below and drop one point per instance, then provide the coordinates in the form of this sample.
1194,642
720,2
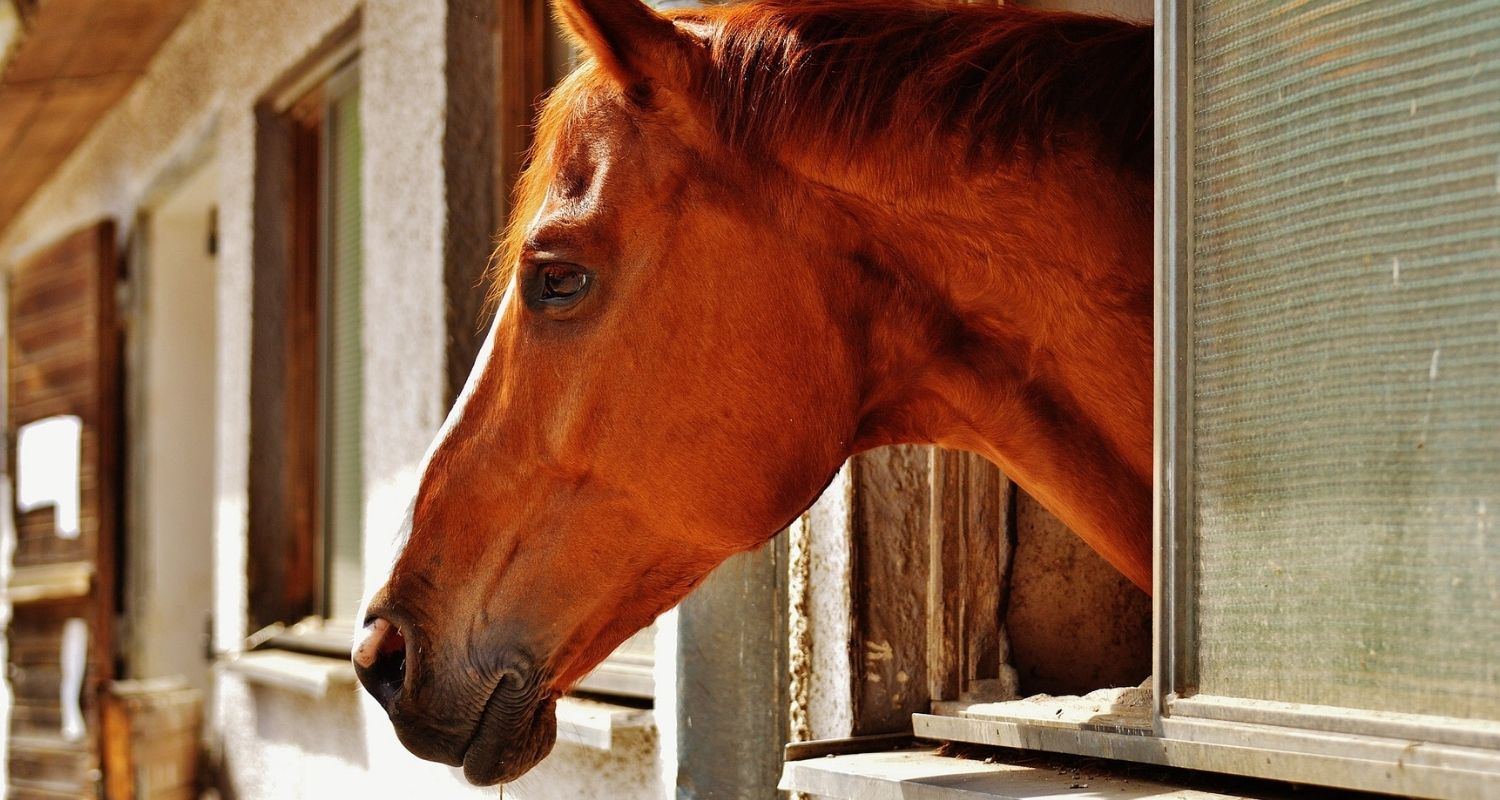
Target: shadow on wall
290,720
1075,624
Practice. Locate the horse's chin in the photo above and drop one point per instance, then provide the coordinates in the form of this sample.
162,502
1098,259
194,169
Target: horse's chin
509,741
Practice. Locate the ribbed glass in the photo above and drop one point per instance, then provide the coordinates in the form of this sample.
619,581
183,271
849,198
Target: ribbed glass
343,356
1346,338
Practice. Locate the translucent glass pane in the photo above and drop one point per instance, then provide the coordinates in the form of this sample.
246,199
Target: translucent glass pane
343,356
1346,336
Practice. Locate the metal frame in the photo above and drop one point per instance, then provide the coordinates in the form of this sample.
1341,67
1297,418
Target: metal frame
1173,456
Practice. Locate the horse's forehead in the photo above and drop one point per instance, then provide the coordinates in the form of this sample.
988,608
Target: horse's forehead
609,148
591,136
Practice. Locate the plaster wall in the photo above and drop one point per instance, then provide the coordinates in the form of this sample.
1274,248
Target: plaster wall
287,745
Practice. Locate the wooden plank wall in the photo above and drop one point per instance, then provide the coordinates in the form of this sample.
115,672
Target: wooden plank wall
932,544
967,589
65,357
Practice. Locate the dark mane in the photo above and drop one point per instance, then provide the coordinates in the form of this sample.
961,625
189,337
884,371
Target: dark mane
843,71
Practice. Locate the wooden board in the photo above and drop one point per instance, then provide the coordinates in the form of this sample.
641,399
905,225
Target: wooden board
284,522
932,550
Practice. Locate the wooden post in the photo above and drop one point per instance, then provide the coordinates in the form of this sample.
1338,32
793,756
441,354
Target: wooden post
891,518
969,559
932,545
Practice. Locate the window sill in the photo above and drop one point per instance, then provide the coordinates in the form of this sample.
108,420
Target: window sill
1118,724
927,775
597,725
313,636
314,676
1126,710
580,721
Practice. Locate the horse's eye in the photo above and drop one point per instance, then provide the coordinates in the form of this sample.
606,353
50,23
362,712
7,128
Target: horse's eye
562,282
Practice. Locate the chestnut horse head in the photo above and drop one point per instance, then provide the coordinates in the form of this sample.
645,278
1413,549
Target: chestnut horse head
751,242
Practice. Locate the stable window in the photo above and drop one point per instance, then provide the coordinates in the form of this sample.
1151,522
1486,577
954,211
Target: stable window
1330,573
1328,417
307,492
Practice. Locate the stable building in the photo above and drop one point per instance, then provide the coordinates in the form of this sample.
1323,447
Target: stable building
245,241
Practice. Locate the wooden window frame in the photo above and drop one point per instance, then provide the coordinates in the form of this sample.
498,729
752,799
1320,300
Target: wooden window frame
287,561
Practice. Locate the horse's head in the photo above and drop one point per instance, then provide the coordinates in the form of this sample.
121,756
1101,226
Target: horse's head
658,392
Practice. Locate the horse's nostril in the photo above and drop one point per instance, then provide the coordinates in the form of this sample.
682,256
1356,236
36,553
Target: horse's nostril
380,661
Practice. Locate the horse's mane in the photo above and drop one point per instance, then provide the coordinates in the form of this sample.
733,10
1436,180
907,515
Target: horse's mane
843,72
840,72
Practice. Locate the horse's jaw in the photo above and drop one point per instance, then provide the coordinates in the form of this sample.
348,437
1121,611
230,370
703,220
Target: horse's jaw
508,743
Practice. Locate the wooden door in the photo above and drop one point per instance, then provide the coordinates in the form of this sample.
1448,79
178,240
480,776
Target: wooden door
64,444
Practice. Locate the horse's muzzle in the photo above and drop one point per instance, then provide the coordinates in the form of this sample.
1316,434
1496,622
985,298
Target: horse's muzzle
496,721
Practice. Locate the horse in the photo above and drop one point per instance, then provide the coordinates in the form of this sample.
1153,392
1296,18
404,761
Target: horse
752,241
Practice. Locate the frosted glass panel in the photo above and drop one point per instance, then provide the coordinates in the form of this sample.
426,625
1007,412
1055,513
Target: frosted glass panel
1346,338
344,356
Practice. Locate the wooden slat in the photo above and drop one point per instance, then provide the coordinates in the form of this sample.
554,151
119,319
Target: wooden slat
38,539
38,681
43,716
61,372
891,520
56,581
30,790
39,332
968,572
64,281
34,652
58,764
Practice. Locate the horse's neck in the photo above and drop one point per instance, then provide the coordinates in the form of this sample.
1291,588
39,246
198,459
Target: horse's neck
1034,343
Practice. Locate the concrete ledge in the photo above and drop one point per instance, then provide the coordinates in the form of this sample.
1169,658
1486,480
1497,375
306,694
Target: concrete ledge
589,723
925,775
596,724
298,672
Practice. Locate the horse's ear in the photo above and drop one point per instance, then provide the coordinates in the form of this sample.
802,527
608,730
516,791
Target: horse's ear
636,45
